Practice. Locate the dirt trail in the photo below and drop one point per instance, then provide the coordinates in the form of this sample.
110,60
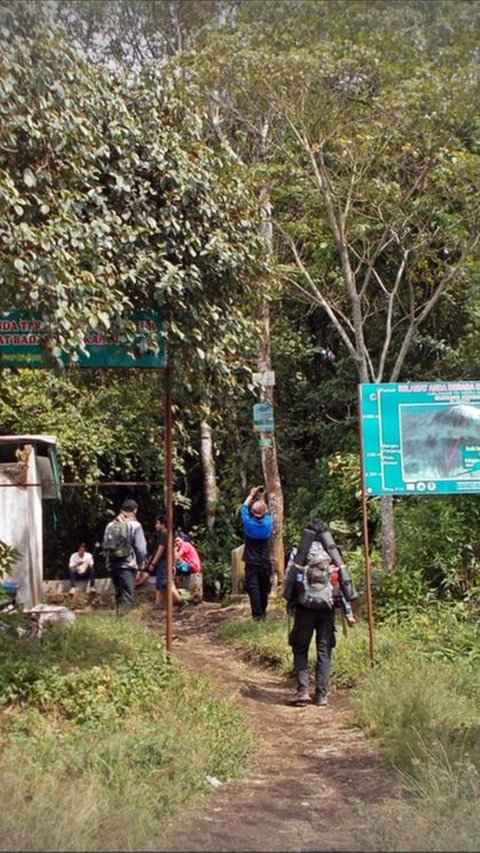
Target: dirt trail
313,776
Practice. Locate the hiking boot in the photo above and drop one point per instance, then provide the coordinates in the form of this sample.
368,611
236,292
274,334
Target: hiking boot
301,697
320,701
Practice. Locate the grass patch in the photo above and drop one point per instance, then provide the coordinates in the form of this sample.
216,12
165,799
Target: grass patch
441,813
102,738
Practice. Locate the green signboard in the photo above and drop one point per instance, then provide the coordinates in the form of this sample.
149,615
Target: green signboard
265,442
21,344
421,437
263,417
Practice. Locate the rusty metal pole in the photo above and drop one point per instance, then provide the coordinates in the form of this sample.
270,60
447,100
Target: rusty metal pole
366,544
168,502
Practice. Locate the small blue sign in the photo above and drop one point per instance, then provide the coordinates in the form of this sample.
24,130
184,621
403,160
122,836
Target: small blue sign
263,417
421,437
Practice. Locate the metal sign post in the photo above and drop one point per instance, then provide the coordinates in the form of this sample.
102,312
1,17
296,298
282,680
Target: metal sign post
366,544
169,505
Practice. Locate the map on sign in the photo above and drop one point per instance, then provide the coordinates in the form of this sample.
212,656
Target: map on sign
421,437
21,344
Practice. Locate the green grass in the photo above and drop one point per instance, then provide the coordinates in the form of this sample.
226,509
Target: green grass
102,739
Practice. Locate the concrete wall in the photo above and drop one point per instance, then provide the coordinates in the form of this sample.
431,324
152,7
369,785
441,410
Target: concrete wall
21,524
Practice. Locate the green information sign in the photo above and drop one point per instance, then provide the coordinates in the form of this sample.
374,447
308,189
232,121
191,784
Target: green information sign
421,437
265,442
263,417
21,344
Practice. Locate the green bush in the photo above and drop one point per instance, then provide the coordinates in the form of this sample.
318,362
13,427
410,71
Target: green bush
215,547
440,537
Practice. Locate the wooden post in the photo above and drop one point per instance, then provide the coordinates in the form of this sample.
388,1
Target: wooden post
168,502
366,544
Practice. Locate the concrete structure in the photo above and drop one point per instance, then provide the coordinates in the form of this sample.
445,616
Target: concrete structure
238,570
29,474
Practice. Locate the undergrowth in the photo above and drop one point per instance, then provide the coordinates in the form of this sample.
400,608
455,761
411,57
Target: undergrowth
102,738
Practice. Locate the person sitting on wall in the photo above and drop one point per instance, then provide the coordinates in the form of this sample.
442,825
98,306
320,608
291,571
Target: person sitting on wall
187,558
80,568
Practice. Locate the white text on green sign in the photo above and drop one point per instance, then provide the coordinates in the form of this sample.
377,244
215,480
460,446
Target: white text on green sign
22,340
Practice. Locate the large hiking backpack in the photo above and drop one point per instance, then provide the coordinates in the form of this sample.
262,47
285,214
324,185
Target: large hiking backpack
317,535
313,586
116,539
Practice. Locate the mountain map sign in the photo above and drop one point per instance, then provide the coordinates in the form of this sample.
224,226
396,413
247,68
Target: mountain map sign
420,437
21,344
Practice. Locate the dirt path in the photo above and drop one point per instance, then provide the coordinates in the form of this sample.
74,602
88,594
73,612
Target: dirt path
313,776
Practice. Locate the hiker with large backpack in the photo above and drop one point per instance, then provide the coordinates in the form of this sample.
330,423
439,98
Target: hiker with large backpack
316,581
125,549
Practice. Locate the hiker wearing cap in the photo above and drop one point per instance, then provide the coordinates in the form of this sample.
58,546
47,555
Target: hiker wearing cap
257,526
126,549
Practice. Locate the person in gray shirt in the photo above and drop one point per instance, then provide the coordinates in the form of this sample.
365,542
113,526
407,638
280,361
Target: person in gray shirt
126,551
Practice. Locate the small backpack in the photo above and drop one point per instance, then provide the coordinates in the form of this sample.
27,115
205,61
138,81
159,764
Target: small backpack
313,585
116,539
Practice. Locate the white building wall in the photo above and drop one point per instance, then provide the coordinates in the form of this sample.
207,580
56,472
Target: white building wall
21,526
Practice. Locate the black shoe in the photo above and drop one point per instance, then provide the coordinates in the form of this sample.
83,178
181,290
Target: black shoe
301,697
320,700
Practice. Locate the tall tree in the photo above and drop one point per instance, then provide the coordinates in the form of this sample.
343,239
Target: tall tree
375,173
112,200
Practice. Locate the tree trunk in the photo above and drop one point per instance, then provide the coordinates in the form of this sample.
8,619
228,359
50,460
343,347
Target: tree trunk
269,454
270,469
209,473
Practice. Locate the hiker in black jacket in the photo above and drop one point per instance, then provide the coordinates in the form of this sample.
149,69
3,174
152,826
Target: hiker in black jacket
311,596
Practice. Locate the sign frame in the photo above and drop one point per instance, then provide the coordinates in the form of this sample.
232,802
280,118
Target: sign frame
421,437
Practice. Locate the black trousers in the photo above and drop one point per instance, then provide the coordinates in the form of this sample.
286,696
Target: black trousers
306,622
258,583
123,582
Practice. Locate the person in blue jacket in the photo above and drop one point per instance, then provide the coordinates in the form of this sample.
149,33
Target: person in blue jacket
257,526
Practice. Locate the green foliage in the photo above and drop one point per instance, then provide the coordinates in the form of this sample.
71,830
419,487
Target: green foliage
8,557
398,591
216,546
112,200
440,537
85,704
330,490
